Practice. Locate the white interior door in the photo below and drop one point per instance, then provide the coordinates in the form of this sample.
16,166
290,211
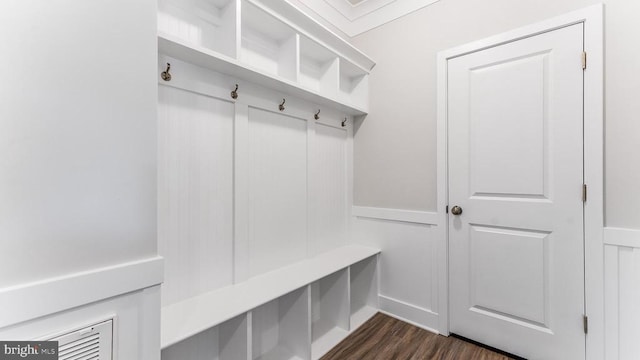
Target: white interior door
515,148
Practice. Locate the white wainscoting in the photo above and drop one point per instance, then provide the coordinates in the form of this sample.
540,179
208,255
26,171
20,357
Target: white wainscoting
408,263
409,275
136,330
48,296
622,293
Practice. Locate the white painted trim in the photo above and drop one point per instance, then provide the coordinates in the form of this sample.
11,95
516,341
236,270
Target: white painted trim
592,20
56,294
411,216
622,237
421,317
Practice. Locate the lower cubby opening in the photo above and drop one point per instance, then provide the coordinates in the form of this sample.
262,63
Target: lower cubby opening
329,312
227,341
280,328
364,290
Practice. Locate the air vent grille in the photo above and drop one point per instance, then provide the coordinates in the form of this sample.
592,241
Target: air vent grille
90,343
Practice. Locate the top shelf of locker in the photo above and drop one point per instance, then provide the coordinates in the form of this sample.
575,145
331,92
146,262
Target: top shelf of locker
268,41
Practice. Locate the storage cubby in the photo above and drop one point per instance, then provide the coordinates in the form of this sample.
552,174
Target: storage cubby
329,312
318,68
364,290
354,84
227,341
280,328
207,23
268,44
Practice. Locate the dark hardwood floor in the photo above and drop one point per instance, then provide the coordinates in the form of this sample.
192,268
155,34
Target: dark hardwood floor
386,338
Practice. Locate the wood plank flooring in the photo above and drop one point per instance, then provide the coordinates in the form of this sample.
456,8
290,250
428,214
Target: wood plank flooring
386,338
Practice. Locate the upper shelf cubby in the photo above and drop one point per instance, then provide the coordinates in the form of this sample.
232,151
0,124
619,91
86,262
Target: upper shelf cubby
210,24
268,42
354,83
318,67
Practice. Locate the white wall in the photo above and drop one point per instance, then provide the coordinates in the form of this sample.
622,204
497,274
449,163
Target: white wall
77,136
78,170
395,149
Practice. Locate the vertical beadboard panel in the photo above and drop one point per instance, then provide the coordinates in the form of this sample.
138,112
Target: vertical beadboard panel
622,294
277,190
329,189
611,303
629,302
195,192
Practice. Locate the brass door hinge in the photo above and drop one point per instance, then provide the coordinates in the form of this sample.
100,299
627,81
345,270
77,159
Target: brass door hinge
584,60
584,192
585,323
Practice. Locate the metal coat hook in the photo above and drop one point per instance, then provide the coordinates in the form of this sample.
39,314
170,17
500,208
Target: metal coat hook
234,93
317,115
165,75
344,123
281,106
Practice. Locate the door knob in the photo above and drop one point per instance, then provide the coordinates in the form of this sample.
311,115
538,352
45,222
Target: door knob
456,210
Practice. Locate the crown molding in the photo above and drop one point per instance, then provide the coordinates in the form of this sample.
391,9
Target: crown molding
364,16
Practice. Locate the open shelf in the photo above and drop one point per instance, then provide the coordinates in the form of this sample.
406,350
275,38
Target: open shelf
207,23
280,328
179,49
268,44
318,68
189,317
329,312
354,83
227,341
364,290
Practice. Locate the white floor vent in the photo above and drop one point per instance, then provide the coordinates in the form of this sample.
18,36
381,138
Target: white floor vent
91,343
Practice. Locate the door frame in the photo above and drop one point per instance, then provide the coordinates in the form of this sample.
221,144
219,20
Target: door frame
592,19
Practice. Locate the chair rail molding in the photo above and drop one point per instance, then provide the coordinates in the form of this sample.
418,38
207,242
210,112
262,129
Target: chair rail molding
73,290
401,215
622,237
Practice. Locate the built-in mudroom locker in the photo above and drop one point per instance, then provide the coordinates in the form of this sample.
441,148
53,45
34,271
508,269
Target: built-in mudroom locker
256,104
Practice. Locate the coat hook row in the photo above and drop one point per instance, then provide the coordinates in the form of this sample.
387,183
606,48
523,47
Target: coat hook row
281,106
166,75
234,93
344,122
317,115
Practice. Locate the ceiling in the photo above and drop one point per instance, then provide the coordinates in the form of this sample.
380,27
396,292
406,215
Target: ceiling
354,17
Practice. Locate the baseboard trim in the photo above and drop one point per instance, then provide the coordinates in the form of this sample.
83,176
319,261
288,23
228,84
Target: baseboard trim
32,300
622,237
410,216
409,313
